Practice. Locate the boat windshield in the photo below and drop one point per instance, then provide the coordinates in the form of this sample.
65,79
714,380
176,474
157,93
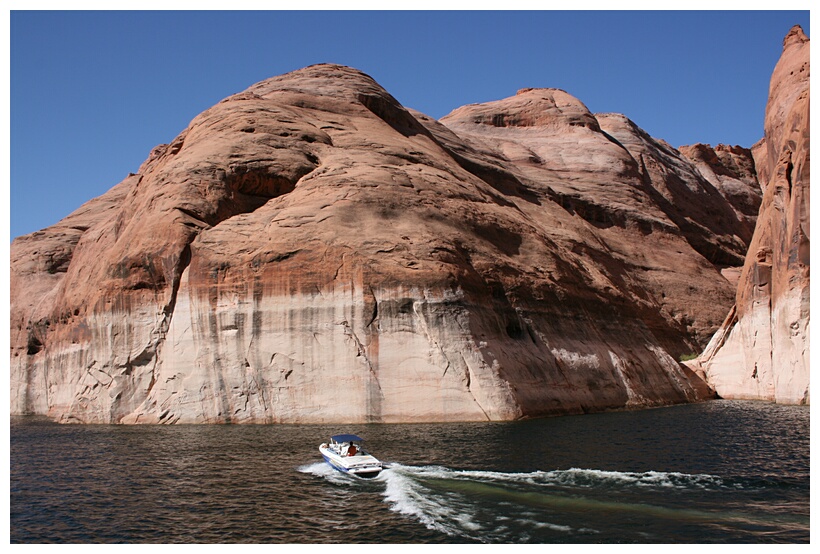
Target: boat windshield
349,449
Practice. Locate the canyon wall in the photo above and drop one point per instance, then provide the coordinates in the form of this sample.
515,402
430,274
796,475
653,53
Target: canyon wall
311,251
762,349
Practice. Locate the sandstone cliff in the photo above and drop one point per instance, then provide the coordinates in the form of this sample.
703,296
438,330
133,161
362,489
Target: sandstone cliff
762,349
309,250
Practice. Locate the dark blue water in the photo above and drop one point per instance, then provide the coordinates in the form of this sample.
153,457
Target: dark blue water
719,472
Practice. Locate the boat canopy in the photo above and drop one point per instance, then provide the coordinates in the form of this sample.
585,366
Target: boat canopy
346,438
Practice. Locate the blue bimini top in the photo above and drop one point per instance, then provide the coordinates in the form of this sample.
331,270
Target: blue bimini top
346,438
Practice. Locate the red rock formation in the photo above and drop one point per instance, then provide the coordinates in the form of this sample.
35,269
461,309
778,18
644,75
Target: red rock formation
309,250
631,191
731,170
762,349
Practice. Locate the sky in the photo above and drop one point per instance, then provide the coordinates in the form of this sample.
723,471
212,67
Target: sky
92,92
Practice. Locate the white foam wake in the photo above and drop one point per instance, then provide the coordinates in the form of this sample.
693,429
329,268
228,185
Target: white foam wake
488,505
407,495
492,506
596,477
323,470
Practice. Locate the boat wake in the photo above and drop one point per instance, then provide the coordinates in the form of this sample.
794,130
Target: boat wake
323,470
545,506
489,506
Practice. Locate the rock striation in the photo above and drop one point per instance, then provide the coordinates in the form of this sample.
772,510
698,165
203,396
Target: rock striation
762,349
309,250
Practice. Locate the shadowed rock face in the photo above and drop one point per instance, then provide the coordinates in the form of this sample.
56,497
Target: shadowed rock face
762,349
309,250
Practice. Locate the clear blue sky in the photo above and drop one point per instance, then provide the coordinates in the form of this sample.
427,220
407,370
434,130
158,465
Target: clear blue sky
93,92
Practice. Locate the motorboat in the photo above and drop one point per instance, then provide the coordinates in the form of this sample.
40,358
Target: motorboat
346,454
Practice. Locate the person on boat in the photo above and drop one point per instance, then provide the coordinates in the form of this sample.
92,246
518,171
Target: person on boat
352,450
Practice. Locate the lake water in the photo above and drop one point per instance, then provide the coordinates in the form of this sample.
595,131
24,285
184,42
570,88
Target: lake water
717,472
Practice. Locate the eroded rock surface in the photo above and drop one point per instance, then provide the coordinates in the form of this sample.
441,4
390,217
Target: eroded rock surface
309,250
762,349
